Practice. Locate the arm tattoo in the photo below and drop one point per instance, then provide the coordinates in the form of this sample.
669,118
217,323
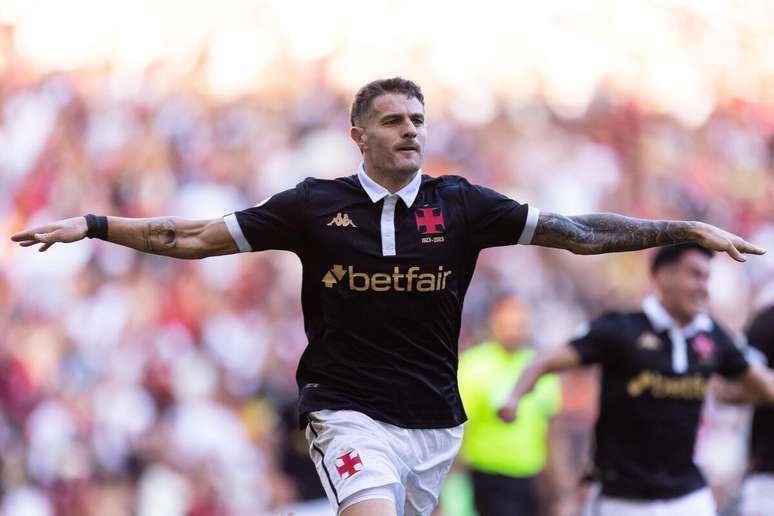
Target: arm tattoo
599,233
159,236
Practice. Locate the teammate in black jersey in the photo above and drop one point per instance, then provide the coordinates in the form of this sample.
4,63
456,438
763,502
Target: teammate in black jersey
656,365
758,487
387,255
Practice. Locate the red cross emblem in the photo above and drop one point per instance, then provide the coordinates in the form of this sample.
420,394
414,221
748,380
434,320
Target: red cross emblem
704,347
430,221
348,464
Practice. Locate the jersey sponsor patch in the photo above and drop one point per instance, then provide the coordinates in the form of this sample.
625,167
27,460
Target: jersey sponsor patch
412,280
686,387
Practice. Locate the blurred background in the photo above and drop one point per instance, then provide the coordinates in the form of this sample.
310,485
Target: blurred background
134,384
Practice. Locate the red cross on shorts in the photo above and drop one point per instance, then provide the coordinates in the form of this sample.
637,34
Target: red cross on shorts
348,464
430,221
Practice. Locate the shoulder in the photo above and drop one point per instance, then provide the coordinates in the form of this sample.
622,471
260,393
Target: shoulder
722,335
614,318
454,187
313,188
612,324
446,183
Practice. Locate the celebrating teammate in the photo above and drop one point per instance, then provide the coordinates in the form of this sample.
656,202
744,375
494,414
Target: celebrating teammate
656,365
758,486
387,255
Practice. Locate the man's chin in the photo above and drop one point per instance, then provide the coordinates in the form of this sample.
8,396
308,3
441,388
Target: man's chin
407,167
695,309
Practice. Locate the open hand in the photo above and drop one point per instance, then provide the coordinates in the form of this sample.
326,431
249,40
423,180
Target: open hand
718,239
66,230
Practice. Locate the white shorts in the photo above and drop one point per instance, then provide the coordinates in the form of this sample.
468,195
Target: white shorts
697,503
359,458
758,495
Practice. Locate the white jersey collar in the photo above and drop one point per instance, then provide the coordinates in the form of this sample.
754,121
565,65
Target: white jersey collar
377,192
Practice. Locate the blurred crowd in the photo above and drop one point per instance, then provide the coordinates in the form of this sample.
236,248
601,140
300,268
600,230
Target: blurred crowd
135,384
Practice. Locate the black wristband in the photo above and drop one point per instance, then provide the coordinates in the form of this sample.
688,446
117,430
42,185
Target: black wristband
96,226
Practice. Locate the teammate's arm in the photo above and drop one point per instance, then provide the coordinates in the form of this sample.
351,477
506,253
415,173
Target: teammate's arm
756,385
599,233
167,236
554,361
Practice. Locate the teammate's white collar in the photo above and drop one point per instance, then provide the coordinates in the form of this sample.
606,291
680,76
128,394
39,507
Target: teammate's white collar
377,192
661,320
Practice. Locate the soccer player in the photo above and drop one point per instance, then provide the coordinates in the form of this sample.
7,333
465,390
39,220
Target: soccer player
387,256
656,365
504,459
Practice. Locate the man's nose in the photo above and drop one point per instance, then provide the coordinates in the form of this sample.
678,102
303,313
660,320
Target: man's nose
409,130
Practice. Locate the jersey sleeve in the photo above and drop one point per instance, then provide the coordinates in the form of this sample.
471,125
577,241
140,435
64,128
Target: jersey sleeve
732,362
596,342
496,220
275,223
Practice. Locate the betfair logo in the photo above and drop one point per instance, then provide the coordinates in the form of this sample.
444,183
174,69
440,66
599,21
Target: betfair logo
691,387
413,280
342,220
334,275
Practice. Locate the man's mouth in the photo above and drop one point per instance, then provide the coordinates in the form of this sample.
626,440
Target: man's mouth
407,147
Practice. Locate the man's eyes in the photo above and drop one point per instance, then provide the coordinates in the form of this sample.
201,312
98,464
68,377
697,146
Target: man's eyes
393,121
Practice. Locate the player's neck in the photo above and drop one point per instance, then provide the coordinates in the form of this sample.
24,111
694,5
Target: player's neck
676,315
390,180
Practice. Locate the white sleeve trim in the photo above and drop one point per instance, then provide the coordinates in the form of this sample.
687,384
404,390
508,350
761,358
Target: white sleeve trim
529,226
236,233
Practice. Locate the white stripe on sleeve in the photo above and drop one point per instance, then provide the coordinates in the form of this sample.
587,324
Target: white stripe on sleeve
236,233
529,226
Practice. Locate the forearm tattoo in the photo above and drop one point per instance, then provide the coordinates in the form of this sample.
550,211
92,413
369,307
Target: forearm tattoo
159,236
607,232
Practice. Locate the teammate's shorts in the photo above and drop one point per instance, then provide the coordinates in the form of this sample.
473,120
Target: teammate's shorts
697,503
758,495
359,458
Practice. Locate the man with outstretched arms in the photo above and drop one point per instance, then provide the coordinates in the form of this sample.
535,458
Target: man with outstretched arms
656,365
387,256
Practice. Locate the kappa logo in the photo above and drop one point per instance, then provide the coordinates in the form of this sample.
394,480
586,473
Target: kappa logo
649,341
342,220
413,280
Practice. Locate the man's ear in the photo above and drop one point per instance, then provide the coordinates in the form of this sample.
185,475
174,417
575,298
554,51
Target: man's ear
359,136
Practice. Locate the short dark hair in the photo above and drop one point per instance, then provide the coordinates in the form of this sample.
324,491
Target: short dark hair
373,89
672,253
